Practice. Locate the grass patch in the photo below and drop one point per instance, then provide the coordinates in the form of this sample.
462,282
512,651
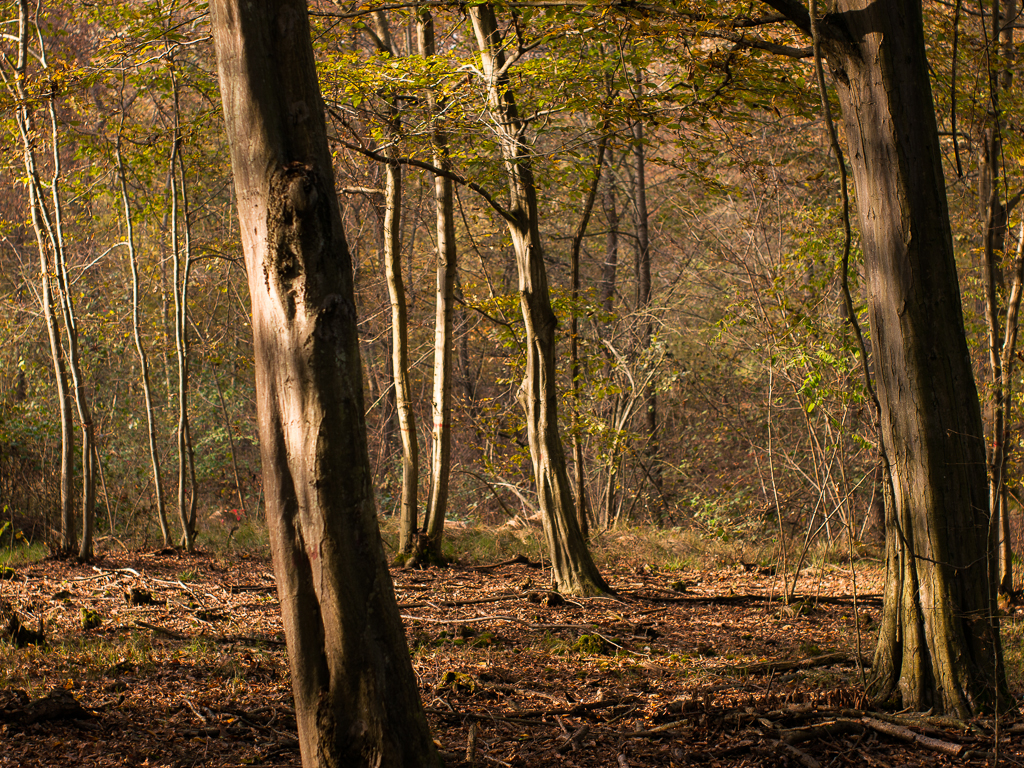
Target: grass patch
22,554
1012,633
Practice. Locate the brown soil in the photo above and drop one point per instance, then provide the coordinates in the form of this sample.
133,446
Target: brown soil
687,668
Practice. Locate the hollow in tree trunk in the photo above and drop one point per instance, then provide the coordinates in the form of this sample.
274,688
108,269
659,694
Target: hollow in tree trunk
356,697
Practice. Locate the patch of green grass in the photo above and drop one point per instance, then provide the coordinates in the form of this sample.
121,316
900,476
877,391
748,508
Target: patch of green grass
1012,634
674,549
22,554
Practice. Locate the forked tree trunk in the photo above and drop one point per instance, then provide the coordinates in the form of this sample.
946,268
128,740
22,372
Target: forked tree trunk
938,644
181,271
572,567
356,697
447,266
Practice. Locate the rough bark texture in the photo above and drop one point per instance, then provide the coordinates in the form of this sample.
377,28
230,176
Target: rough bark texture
939,644
572,567
356,699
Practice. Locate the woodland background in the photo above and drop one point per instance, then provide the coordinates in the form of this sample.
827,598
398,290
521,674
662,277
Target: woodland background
719,385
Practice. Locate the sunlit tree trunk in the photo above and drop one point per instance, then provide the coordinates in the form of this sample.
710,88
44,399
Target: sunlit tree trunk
181,253
409,512
140,348
447,266
572,567
575,371
356,697
48,224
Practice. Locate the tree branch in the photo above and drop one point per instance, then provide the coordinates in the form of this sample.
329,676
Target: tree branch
413,163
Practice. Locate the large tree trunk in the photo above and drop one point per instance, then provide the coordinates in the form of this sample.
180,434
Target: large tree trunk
938,644
447,267
356,698
572,567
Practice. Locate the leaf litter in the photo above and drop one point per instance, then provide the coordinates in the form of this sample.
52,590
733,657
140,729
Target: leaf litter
175,660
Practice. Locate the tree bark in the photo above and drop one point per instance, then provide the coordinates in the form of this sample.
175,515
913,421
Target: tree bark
151,431
356,697
572,567
575,371
447,267
643,293
1000,342
938,643
409,511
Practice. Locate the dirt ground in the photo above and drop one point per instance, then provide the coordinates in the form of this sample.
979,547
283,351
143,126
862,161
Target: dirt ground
183,664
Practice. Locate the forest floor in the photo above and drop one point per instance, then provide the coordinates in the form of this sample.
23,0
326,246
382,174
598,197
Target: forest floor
184,664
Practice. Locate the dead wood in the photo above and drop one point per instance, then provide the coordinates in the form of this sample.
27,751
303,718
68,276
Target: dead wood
458,603
517,560
573,741
236,589
161,630
58,704
825,660
905,734
15,631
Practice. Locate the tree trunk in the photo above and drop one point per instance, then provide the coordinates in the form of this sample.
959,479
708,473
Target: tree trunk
356,697
643,294
48,226
447,266
995,213
181,272
409,512
575,372
938,644
154,453
572,567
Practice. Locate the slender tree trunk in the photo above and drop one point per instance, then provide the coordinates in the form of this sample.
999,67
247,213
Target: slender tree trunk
938,644
447,267
643,293
611,248
68,530
48,225
609,271
356,697
231,444
579,478
572,567
995,214
409,514
182,267
55,230
154,453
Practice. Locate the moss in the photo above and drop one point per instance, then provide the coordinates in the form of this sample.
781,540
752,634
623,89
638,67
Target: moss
591,645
